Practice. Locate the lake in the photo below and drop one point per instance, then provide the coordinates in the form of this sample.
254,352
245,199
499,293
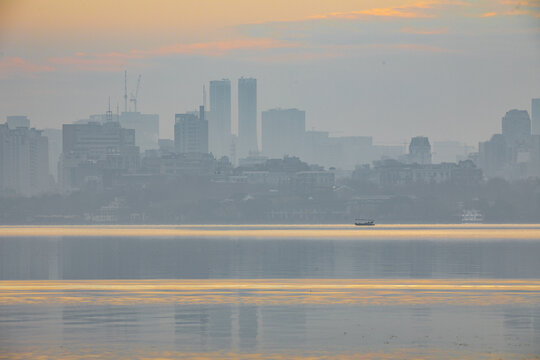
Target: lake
270,292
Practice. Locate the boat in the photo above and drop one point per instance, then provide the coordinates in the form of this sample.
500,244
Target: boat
364,222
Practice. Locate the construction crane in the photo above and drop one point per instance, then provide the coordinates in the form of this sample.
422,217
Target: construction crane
125,91
133,98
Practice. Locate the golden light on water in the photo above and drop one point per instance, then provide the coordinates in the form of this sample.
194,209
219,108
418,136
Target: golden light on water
349,232
272,292
147,354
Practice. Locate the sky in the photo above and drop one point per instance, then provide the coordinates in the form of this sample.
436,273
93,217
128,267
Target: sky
391,69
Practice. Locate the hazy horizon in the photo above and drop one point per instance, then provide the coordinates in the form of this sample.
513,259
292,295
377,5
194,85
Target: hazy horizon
444,69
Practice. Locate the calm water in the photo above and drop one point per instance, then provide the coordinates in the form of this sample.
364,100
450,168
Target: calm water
270,292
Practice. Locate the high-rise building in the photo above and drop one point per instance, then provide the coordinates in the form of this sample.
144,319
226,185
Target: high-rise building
55,149
247,116
94,150
24,161
419,150
17,121
191,133
516,127
146,128
494,156
219,123
535,114
283,132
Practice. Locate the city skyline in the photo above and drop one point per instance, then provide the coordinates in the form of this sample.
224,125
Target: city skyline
270,179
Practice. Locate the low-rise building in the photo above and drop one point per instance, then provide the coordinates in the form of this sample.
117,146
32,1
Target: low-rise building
395,173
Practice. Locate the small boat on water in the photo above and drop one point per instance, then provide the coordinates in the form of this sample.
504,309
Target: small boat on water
364,222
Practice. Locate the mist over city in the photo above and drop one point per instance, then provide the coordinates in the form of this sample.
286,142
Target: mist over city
270,179
415,112
114,167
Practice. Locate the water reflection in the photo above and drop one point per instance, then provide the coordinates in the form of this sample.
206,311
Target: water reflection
271,329
223,292
157,258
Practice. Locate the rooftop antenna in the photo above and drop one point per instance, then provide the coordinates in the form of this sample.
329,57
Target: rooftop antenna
125,91
117,110
204,95
108,115
133,98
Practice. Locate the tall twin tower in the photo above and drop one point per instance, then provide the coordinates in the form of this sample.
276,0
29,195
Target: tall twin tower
220,137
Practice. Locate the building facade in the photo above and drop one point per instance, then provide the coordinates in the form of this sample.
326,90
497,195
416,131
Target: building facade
146,128
54,137
219,123
16,121
191,133
535,116
395,173
96,152
24,161
247,117
419,151
516,127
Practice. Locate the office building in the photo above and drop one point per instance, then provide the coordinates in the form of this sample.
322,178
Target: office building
283,132
191,133
146,128
535,115
17,121
516,127
93,151
24,160
494,156
419,151
219,123
54,137
247,117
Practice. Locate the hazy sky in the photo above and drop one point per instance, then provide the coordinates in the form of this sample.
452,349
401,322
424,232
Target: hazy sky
387,68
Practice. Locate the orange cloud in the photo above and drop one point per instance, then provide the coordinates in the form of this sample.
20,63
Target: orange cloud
379,12
17,64
416,10
216,48
115,61
515,12
522,3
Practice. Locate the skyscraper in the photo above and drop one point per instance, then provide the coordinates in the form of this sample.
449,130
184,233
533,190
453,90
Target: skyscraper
191,133
247,116
516,127
420,150
219,124
283,132
535,114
